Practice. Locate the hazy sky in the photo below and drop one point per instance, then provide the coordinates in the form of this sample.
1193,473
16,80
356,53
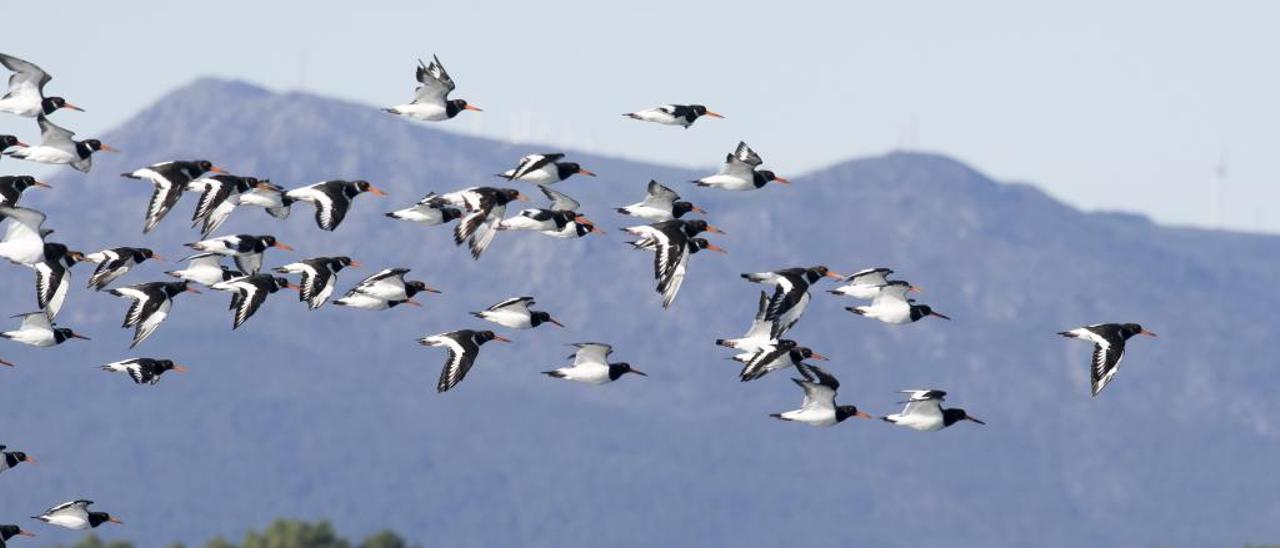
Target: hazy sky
1107,105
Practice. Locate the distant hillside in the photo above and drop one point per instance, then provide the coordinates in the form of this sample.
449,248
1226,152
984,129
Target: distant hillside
333,414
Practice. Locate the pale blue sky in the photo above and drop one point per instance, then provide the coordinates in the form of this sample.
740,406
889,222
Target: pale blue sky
1107,105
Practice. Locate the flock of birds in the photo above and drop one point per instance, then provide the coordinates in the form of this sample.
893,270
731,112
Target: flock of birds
480,213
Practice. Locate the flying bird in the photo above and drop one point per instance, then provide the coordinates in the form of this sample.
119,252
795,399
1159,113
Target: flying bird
757,336
776,355
8,141
892,306
249,292
57,147
819,405
924,412
10,459
23,241
319,276
670,241
791,293
673,115
863,284
38,330
660,204
514,313
739,172
485,207
332,199
591,366
170,180
1108,348
384,290
205,269
11,187
429,211
116,262
463,346
544,169
431,101
246,249
76,515
560,220
222,194
26,90
152,302
9,531
144,370
53,276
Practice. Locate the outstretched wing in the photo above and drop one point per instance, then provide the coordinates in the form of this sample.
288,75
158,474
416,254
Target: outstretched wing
559,200
435,80
592,353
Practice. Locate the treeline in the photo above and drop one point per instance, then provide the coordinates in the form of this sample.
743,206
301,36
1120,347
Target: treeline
281,533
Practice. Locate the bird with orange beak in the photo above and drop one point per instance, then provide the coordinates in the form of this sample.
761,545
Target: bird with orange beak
332,199
11,187
463,346
544,169
57,147
170,179
76,515
673,115
10,459
431,101
739,172
560,220
791,293
9,531
514,313
144,370
25,96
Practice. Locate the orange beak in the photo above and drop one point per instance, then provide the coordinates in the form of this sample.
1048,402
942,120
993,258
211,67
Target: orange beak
697,209
355,264
179,369
717,249
863,415
833,275
553,320
22,144
585,172
25,533
915,289
293,287
72,107
75,335
282,246
818,356
193,290
714,114
5,363
521,197
217,169
945,317
432,290
115,521
782,180
473,107
714,230
156,257
500,338
376,191
1147,333
30,459
109,148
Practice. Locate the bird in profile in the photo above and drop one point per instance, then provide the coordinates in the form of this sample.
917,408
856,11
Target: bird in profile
144,370
429,211
57,147
924,412
739,172
249,292
485,207
23,241
431,101
544,169
38,330
53,276
332,199
26,90
673,115
591,366
384,290
514,313
9,141
790,295
892,306
246,249
670,241
319,276
170,180
863,284
152,302
76,515
12,186
205,269
660,204
222,194
463,346
11,459
1108,348
560,220
776,355
9,531
756,337
116,262
819,405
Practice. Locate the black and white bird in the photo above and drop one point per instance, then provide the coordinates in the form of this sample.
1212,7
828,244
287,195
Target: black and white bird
249,292
757,336
791,293
332,199
591,366
429,211
222,194
152,302
12,186
144,370
463,346
776,355
431,101
205,269
23,241
660,204
924,412
246,249
514,313
819,405
38,330
170,180
670,241
544,169
26,90
1108,348
560,220
384,290
9,531
739,172
8,141
116,262
485,207
892,306
673,115
10,459
53,276
76,515
319,276
57,147
863,284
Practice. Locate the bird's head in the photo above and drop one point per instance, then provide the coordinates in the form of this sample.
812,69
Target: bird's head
624,368
680,207
770,176
701,110
540,317
53,104
99,518
1131,329
366,186
845,411
461,105
955,414
7,141
96,145
9,531
486,336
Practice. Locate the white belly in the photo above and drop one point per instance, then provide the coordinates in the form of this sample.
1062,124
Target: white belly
47,155
27,105
728,182
811,417
423,111
649,213
513,320
33,337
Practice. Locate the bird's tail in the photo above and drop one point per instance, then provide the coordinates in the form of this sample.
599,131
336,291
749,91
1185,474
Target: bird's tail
779,416
554,373
725,343
1067,334
855,310
890,420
